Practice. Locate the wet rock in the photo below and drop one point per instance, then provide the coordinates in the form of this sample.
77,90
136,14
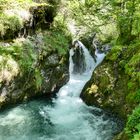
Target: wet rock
42,16
54,78
47,69
94,43
78,58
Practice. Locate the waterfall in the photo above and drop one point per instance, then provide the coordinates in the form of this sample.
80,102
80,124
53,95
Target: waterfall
65,117
70,116
78,80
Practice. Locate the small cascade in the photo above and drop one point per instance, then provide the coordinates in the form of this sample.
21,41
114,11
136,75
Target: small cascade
79,79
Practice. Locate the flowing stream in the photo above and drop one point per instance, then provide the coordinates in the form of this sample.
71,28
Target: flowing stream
65,117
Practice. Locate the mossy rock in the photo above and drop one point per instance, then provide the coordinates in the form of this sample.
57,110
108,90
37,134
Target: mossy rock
42,15
121,136
37,69
111,93
16,23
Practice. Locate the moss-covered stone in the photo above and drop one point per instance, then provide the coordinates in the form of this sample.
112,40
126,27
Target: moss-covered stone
33,66
24,18
42,16
112,90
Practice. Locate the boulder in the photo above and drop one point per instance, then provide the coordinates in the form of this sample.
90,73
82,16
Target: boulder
78,58
107,90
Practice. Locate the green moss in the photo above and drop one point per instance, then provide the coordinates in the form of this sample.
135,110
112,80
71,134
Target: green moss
11,20
57,40
113,55
133,124
15,4
29,53
133,97
132,67
105,81
10,24
127,60
17,15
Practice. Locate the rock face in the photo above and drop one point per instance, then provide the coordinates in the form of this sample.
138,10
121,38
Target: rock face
45,80
114,85
32,67
78,58
107,87
107,90
36,63
41,16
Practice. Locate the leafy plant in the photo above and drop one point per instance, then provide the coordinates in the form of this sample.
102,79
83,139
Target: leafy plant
133,124
57,41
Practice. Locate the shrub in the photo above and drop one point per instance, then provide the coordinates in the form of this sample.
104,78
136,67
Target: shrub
133,124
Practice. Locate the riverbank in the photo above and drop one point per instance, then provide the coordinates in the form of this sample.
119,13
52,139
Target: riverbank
34,61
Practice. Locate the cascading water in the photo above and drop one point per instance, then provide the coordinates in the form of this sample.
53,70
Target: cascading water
66,118
71,118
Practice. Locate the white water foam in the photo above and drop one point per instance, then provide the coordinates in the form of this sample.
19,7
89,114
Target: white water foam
71,117
67,118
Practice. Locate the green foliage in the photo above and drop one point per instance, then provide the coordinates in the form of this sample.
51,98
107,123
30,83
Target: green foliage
115,52
60,23
8,68
14,14
94,16
9,23
134,96
132,68
133,124
11,20
15,4
57,41
122,16
28,53
28,57
137,136
137,96
23,53
24,59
